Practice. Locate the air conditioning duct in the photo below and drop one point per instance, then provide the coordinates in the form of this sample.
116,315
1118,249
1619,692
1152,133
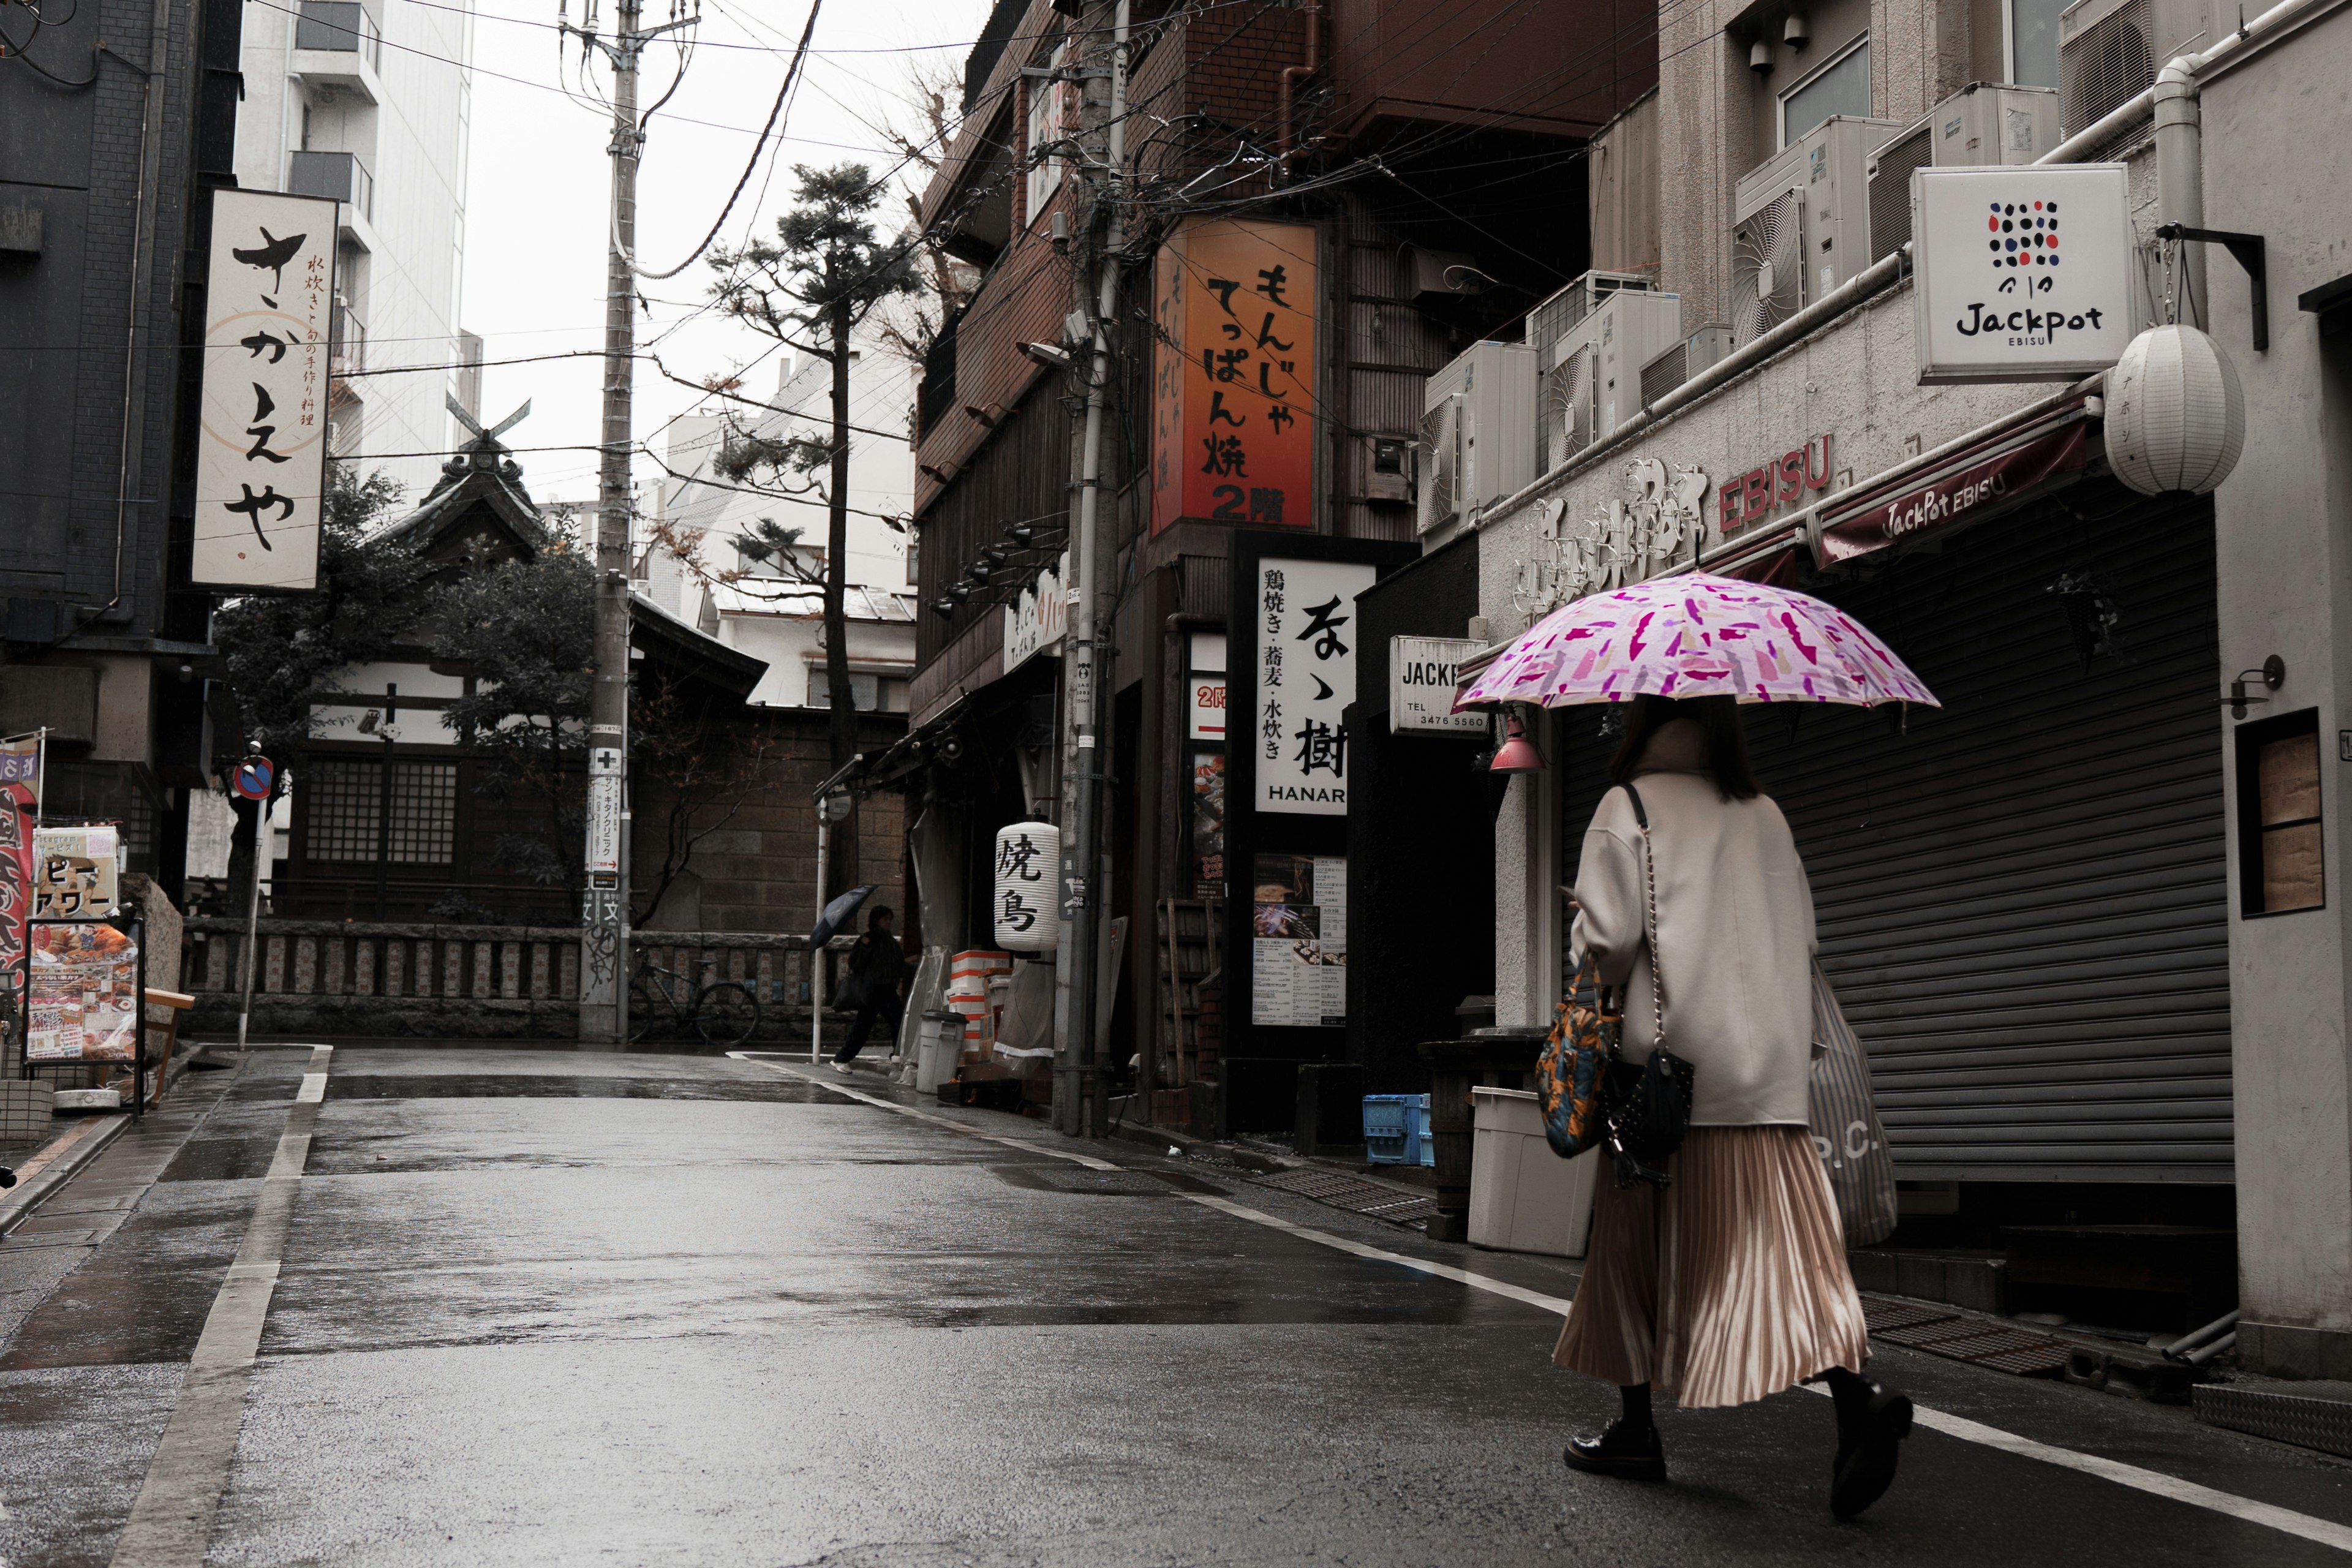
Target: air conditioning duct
1980,125
1801,222
1476,448
2110,50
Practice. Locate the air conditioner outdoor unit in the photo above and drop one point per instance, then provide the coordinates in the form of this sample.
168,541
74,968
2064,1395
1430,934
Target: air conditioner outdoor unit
1981,124
1801,222
1477,418
2110,50
1591,373
1683,361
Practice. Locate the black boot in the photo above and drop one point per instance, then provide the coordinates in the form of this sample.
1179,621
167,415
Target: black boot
1630,1448
1872,1424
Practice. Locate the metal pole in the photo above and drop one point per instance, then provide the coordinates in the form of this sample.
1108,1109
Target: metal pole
253,911
815,954
606,900
1082,863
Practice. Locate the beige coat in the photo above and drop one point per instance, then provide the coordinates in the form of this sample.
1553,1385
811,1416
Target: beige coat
1735,922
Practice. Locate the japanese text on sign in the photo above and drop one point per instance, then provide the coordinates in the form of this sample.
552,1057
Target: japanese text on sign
261,461
1233,375
1306,678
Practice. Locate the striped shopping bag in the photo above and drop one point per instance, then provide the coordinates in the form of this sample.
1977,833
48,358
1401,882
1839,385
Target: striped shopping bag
1845,1125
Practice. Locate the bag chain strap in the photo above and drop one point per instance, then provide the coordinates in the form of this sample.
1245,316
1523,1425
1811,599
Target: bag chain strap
1657,960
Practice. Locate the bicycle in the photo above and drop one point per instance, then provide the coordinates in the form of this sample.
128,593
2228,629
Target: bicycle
724,1012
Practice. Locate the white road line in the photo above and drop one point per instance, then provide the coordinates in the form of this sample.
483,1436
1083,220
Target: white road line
171,1525
2154,1483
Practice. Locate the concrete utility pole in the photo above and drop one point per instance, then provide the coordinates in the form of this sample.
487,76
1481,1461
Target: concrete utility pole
603,936
1082,1078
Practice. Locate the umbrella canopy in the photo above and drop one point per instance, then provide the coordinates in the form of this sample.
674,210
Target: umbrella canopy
1697,635
839,913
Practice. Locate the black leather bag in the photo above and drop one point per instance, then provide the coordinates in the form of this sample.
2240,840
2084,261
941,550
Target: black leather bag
1648,1105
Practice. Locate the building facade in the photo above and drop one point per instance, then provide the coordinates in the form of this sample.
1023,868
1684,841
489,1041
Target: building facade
116,125
1299,247
2079,912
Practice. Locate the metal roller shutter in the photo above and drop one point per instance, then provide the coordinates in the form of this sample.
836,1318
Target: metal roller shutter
2022,899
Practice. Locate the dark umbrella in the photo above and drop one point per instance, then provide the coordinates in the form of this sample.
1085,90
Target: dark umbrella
839,913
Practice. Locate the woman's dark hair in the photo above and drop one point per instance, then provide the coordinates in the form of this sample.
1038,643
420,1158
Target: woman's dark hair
1726,740
877,914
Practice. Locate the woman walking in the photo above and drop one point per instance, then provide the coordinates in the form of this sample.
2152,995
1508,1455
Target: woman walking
1729,1283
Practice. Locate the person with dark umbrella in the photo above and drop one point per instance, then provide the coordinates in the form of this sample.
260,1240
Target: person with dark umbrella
878,967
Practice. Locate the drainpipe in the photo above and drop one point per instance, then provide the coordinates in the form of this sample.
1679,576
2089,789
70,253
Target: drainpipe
1291,76
2180,174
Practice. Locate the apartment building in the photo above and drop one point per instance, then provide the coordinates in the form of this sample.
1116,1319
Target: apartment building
367,102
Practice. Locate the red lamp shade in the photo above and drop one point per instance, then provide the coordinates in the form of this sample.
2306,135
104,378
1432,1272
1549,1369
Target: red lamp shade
1518,754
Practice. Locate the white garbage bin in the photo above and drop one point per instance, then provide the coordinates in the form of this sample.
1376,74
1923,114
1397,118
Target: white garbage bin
1524,1197
938,1049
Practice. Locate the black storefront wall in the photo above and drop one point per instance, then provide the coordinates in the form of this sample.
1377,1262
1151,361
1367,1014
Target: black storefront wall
1257,1082
2022,896
1420,840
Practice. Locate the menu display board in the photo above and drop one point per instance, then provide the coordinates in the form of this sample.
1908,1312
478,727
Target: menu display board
84,1004
1299,928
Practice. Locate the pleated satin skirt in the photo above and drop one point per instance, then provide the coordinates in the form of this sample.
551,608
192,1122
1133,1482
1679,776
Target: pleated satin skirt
1728,1285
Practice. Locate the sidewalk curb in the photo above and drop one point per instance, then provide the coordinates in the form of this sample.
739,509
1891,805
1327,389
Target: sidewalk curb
58,1162
62,1158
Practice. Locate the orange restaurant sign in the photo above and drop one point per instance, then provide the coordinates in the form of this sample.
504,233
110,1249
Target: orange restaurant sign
1232,374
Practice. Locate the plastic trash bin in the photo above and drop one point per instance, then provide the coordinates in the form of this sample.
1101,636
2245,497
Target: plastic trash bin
938,1049
1524,1197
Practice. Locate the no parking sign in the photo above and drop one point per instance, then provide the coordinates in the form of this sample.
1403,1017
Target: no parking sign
253,778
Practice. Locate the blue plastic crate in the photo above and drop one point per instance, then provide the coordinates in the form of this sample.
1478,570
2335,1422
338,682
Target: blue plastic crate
1396,1130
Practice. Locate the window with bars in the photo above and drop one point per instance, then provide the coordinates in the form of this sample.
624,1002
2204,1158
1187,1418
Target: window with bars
344,800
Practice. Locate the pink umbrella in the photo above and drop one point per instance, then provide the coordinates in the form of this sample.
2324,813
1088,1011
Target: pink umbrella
1697,635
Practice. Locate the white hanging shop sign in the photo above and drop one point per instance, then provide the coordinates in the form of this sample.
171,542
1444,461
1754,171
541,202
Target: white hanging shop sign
1040,617
1422,676
1028,861
261,455
2025,273
1306,678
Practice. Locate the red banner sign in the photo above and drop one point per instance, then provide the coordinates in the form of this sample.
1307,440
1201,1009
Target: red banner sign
1875,524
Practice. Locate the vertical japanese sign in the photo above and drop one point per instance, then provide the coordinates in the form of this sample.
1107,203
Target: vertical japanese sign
1306,678
261,459
604,816
15,885
1233,377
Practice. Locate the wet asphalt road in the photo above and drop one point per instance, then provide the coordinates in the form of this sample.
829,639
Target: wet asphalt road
536,1306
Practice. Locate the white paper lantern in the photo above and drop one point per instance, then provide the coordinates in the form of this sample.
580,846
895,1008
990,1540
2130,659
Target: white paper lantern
1027,907
2176,415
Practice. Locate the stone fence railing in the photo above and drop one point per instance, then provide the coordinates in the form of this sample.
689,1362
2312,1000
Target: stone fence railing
468,982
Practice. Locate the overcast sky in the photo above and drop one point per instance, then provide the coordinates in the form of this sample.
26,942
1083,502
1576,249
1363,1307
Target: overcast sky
539,184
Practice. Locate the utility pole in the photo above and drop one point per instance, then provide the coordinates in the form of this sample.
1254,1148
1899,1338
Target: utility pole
603,945
1082,1078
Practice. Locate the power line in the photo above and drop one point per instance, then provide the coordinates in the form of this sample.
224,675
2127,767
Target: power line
791,73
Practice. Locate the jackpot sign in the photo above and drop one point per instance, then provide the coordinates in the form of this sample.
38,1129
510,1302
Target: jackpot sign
2025,273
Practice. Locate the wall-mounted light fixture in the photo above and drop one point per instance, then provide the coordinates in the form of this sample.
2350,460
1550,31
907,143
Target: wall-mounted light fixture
1518,754
2273,674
